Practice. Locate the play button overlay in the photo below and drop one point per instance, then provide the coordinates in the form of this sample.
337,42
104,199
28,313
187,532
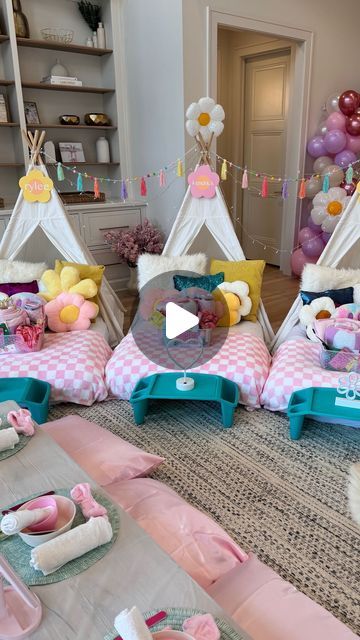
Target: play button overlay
177,330
178,320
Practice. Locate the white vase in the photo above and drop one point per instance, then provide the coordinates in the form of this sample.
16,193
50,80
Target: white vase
102,150
101,36
58,69
132,284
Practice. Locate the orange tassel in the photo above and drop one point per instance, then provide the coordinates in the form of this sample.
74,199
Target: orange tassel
143,189
264,188
96,189
302,192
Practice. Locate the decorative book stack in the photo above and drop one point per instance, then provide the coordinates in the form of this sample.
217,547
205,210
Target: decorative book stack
66,80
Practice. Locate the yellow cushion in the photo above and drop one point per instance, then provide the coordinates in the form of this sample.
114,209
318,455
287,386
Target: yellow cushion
250,271
93,271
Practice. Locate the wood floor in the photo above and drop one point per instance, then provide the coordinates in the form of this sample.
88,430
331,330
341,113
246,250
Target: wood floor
278,294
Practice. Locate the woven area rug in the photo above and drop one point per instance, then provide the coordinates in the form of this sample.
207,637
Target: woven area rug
284,500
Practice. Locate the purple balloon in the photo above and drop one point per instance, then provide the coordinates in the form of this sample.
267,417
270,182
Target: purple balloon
316,147
326,236
335,141
313,247
344,158
305,234
311,224
298,260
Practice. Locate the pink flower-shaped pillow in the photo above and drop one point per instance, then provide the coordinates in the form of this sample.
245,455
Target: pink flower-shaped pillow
70,312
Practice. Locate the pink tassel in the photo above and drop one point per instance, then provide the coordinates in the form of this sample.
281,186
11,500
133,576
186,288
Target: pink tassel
143,189
302,192
96,189
245,181
264,188
162,178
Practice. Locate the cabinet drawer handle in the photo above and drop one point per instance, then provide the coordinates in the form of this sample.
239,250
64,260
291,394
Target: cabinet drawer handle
125,226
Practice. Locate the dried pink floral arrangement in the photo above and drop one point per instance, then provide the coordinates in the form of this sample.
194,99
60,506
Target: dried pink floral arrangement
144,238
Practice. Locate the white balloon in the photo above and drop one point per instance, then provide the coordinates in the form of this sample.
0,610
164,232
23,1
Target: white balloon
329,223
321,163
217,113
332,103
313,186
193,111
216,128
192,127
206,104
322,129
206,134
321,199
335,173
317,214
336,193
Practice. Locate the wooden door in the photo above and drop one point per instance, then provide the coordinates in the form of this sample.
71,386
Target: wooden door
266,104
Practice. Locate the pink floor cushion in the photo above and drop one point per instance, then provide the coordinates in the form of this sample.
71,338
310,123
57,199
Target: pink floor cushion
243,358
103,455
295,366
192,539
269,608
73,363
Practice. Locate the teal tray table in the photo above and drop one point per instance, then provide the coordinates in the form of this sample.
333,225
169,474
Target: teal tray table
29,393
319,401
162,386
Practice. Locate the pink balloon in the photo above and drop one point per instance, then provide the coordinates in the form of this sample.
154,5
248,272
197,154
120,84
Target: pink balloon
298,260
326,237
311,224
305,234
353,143
336,120
335,141
314,247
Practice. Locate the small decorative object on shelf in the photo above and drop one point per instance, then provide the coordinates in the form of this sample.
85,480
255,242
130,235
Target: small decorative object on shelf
97,119
69,119
20,20
65,80
58,69
4,113
49,152
94,39
101,36
64,36
74,197
71,152
102,150
91,13
31,113
89,42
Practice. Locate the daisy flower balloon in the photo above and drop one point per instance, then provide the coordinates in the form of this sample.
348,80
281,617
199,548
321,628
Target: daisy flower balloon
329,207
206,118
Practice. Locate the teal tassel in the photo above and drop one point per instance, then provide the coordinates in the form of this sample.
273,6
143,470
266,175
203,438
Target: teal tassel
326,184
60,172
349,174
79,184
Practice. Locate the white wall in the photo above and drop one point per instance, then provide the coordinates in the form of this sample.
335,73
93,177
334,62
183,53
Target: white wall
154,63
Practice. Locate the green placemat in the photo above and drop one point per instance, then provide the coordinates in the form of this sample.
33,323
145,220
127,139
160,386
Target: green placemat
18,553
23,440
175,619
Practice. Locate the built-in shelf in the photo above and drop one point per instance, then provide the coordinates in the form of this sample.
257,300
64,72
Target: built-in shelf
3,38
11,164
9,124
77,164
6,83
64,87
58,46
32,127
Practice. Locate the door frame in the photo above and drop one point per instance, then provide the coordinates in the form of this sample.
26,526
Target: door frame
300,75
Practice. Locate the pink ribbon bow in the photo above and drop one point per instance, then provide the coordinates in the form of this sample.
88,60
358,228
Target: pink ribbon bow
21,421
202,627
81,494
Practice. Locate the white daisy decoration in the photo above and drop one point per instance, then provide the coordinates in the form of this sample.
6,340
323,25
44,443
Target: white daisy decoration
205,117
319,309
329,207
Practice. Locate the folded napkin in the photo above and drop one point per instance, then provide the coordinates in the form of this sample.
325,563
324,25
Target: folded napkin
52,555
14,522
81,494
131,625
8,439
202,627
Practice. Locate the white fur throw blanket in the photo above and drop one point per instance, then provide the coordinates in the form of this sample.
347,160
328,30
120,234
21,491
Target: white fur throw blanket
150,266
317,278
16,271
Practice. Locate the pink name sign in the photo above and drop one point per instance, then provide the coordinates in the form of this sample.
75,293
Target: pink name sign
203,182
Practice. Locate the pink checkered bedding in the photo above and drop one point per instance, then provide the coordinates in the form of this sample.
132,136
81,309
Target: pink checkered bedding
243,358
295,366
73,363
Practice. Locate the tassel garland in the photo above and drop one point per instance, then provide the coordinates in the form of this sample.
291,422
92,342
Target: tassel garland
79,184
349,175
162,178
180,169
224,170
326,184
96,189
302,192
143,188
265,188
60,172
123,191
284,190
245,181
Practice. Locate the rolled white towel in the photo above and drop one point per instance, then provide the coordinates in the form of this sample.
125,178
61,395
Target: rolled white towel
14,522
131,625
52,555
8,439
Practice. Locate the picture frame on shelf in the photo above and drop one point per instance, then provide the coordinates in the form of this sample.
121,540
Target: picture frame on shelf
31,112
4,111
71,152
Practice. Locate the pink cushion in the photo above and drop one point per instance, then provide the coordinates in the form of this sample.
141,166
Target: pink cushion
269,608
192,539
104,456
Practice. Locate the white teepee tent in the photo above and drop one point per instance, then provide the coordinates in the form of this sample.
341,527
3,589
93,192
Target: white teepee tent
51,217
342,251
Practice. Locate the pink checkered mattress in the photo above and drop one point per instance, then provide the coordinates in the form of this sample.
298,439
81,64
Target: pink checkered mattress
295,365
243,358
73,363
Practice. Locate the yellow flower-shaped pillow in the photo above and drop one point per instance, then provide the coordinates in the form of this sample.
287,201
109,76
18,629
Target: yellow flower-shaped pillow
235,295
69,281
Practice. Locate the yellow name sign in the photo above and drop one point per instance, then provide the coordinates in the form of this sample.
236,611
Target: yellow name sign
36,187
